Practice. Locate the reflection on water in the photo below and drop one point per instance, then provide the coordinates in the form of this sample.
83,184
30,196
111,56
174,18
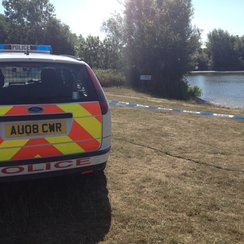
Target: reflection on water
224,89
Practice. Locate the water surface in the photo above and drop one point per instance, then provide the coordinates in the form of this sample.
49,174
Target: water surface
223,89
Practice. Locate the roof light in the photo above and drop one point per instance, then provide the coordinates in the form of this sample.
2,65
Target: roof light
25,48
43,48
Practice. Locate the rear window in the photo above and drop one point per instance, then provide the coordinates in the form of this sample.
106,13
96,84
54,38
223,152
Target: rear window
28,83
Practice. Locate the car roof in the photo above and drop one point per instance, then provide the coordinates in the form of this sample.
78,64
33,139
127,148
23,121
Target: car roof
37,57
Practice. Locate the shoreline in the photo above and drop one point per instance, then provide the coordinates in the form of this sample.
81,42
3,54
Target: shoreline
199,100
215,72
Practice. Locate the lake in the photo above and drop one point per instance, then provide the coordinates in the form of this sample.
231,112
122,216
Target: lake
220,88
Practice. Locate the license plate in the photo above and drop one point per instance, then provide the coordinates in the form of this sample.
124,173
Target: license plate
44,128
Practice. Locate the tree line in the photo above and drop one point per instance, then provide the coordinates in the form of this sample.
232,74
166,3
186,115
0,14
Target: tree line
222,52
35,22
151,37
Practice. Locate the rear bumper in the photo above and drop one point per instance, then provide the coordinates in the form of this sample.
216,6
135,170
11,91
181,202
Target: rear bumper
36,168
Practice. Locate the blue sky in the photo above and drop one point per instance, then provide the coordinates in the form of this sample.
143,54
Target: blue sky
225,14
86,16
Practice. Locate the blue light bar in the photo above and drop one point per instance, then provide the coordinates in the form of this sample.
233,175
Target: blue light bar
4,47
25,48
44,48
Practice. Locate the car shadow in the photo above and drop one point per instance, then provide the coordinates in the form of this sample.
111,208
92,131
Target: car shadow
70,209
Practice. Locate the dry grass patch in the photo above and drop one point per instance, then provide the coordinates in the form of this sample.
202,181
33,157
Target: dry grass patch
175,178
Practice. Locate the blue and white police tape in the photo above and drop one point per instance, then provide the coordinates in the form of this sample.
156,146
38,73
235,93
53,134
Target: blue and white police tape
127,104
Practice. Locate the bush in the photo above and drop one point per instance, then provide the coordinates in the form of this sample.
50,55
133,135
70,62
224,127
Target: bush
193,91
110,77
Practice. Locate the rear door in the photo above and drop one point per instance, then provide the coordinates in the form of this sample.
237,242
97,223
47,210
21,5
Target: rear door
47,110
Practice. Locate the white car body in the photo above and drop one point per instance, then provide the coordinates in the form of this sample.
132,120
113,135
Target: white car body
82,116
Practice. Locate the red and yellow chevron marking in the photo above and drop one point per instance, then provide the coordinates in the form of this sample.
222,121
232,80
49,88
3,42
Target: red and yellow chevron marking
32,150
85,134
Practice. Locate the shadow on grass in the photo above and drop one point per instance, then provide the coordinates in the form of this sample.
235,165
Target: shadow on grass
70,209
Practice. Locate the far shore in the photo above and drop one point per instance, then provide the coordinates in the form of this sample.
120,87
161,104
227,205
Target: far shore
216,72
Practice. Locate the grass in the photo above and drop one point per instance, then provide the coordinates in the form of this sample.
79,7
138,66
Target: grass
171,178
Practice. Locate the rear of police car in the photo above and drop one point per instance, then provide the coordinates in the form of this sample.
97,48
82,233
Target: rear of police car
54,116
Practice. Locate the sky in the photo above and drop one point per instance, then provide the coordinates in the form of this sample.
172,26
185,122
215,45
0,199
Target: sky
86,16
214,14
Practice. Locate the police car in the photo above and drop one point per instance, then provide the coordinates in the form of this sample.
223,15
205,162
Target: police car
54,116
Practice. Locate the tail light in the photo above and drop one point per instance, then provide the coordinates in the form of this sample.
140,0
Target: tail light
102,99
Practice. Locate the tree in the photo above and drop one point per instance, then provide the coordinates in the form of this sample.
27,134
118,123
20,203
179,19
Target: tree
160,42
34,22
81,45
222,51
113,44
239,50
110,55
28,19
202,59
4,29
60,37
99,54
90,50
